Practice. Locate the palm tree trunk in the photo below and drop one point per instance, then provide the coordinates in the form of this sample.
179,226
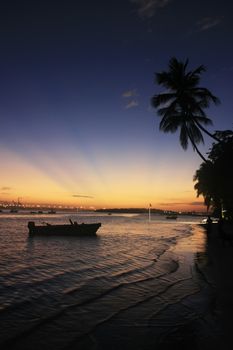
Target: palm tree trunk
195,146
207,132
197,150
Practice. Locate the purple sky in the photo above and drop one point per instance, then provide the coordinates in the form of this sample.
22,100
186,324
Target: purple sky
76,81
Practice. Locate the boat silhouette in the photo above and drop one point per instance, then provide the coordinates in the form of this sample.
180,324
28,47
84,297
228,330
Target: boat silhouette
72,229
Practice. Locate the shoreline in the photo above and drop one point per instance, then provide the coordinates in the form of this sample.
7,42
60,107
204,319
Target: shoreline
196,310
193,313
219,251
214,305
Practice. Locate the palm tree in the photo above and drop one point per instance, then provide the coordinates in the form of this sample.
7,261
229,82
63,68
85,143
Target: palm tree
182,105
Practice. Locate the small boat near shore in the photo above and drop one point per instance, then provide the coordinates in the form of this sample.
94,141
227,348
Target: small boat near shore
72,229
14,211
171,217
51,211
207,223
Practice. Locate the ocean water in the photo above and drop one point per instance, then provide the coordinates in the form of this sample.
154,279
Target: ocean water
126,288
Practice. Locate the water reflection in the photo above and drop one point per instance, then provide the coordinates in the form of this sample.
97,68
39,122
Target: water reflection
133,284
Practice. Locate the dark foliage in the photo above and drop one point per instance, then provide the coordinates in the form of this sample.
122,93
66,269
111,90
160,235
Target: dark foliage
214,178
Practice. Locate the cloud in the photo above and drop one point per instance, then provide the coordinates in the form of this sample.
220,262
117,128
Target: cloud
208,22
6,188
132,104
130,93
196,203
171,203
180,203
81,196
147,8
131,96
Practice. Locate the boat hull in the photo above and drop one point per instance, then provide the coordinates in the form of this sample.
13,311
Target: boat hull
80,230
171,217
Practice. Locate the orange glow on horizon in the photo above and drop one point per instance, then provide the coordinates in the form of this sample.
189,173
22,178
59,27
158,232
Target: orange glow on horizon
112,183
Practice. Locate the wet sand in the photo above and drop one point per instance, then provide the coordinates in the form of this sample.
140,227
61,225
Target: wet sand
217,271
194,313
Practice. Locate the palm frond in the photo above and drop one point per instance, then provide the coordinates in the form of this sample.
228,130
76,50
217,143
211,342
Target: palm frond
195,133
167,112
164,79
205,94
161,99
169,124
183,137
183,104
203,120
199,70
186,64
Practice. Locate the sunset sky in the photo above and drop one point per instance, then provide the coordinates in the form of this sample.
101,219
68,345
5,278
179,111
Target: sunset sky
76,82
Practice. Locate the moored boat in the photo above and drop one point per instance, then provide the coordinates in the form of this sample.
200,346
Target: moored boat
72,229
14,211
172,217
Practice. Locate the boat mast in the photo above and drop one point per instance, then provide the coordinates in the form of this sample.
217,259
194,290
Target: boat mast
149,213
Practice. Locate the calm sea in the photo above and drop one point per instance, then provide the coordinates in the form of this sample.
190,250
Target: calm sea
112,291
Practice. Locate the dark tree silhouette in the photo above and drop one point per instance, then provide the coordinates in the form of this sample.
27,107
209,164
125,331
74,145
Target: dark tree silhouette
182,105
214,177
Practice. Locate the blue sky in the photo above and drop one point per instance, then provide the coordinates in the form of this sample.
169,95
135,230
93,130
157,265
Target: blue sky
76,83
